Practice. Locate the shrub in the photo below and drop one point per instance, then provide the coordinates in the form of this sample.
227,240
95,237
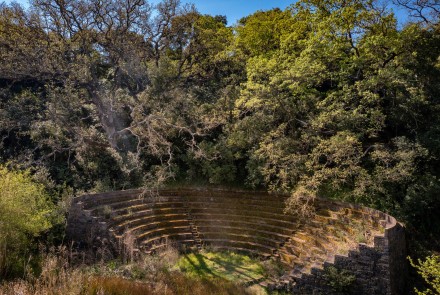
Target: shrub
25,213
430,271
56,277
107,211
339,280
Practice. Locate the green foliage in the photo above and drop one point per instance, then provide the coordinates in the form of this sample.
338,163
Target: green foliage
333,111
429,269
260,32
420,201
25,213
339,281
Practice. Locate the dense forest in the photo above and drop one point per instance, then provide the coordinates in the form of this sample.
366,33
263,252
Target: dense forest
327,98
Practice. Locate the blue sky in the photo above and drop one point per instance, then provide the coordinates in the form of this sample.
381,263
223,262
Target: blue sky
236,9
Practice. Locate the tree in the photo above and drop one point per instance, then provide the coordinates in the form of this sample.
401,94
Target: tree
333,111
101,68
427,11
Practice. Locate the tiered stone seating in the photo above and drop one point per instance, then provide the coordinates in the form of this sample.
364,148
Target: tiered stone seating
332,231
153,220
251,222
242,221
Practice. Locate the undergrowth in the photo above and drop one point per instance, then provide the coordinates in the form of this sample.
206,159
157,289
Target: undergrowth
149,275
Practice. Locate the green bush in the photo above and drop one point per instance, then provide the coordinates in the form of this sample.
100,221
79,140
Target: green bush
339,280
430,271
25,213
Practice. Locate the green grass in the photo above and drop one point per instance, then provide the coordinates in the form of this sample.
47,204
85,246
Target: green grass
224,265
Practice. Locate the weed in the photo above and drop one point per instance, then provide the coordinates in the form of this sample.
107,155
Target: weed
339,280
273,268
107,211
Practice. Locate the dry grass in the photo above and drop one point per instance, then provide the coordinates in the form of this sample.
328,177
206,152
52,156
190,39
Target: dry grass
116,286
78,283
56,278
150,275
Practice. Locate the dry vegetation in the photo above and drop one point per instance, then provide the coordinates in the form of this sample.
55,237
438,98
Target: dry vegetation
148,275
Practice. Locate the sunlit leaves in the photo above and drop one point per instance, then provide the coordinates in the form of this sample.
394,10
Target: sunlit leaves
25,213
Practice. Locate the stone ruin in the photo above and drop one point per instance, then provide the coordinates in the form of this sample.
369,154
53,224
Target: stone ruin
363,242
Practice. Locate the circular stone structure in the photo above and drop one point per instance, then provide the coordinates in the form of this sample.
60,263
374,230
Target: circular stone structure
363,242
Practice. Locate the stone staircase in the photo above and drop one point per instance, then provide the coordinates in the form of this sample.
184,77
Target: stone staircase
329,234
193,226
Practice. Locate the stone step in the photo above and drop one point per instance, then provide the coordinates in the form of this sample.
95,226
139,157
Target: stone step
236,201
100,197
257,220
210,221
233,194
148,212
180,237
265,208
239,244
242,237
161,231
248,229
292,249
245,212
91,201
139,206
142,222
325,220
174,201
287,258
319,241
150,226
303,236
305,252
323,212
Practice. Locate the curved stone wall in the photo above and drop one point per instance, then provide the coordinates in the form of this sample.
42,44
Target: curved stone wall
364,242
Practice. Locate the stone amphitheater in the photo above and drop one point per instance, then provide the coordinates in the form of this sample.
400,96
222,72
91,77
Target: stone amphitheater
364,242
